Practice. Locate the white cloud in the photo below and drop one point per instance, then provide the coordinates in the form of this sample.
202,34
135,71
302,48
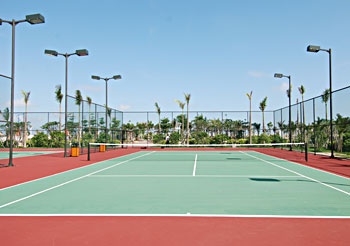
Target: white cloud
95,88
123,107
20,102
283,87
257,74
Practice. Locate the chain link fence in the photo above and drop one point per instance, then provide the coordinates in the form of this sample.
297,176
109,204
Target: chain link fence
88,122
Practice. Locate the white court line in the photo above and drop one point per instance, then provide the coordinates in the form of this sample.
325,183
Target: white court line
71,181
195,166
302,175
186,176
184,215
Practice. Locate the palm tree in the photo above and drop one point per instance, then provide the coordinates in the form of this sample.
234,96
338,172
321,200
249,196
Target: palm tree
249,95
256,127
188,98
325,98
26,98
78,100
59,97
158,111
89,101
262,108
182,105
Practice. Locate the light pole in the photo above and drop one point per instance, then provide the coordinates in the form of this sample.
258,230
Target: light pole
115,77
32,19
315,49
279,75
82,52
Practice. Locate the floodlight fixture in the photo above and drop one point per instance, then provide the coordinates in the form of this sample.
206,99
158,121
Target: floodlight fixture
51,52
35,19
313,48
32,19
278,75
82,52
95,77
115,77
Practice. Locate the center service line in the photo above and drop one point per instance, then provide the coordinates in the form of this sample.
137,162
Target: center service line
195,166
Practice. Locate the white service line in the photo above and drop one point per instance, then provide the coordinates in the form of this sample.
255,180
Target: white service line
195,166
71,181
302,175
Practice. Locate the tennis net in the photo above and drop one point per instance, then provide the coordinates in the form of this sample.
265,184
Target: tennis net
289,151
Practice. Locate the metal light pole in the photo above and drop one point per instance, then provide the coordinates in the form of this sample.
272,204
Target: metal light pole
315,49
32,19
115,77
82,52
279,75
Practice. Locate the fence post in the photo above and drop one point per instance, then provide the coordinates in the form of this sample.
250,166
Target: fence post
88,151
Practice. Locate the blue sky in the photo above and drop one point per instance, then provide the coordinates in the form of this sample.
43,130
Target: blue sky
216,50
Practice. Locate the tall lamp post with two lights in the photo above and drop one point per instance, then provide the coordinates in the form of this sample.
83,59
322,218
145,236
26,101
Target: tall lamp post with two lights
115,77
315,49
82,52
279,75
32,19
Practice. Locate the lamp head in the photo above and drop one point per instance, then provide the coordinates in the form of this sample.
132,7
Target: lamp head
117,77
313,48
82,52
51,52
278,75
35,19
95,77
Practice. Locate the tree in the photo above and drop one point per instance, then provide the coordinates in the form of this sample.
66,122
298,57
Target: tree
165,125
262,107
188,98
200,123
182,105
302,91
256,127
158,111
40,140
26,99
325,98
78,100
59,97
6,116
89,101
342,125
270,126
249,95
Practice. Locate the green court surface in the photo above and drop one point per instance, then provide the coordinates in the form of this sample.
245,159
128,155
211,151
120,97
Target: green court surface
5,155
175,183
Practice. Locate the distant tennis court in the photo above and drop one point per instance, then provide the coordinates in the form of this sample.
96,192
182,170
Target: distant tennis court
5,155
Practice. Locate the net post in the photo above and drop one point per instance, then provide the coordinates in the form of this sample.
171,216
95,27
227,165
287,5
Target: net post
306,152
88,156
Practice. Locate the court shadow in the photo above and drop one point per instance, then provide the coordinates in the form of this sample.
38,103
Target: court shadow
232,158
265,179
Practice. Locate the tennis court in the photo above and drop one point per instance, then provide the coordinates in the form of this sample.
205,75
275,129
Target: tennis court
197,197
227,183
16,154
